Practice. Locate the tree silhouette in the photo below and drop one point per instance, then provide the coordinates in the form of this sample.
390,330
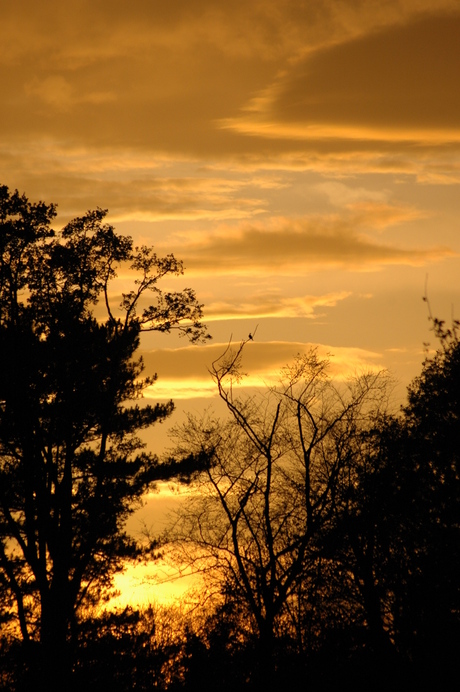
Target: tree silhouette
400,524
269,493
427,620
72,466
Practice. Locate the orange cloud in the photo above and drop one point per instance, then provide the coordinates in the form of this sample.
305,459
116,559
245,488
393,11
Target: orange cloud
294,245
184,372
273,305
339,88
162,76
396,84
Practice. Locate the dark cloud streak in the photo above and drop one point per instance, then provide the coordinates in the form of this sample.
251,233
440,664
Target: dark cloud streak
293,246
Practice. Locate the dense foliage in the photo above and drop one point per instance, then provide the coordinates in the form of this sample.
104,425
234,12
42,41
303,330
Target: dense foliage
72,466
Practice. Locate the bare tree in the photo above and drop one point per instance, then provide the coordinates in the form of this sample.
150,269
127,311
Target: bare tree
278,465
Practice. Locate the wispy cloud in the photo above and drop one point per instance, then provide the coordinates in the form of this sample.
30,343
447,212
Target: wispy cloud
184,372
295,245
272,305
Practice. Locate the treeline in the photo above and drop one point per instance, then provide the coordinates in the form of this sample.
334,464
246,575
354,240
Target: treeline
325,527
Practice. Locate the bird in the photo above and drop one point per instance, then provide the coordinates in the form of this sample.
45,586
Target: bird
250,337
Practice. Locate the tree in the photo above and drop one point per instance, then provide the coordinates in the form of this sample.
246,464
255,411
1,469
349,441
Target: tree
427,613
72,466
401,523
268,495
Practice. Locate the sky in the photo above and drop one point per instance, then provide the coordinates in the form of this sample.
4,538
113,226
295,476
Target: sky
302,157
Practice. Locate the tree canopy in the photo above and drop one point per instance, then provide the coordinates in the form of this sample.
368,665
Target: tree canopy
72,466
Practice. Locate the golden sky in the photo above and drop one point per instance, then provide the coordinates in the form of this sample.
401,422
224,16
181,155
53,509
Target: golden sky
301,156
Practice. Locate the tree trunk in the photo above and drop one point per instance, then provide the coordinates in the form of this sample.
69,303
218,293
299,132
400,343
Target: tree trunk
265,679
55,663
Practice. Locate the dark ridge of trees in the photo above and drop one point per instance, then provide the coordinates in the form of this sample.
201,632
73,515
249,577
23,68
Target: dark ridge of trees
327,529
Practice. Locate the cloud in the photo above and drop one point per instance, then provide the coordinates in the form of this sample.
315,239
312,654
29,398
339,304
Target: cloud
56,91
137,186
285,245
396,84
105,105
340,194
134,186
275,305
104,74
163,78
184,372
423,162
157,81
